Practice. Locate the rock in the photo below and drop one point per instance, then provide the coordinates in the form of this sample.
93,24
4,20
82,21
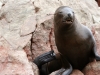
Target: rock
92,68
15,40
77,72
13,62
40,42
28,22
13,59
35,69
28,26
0,5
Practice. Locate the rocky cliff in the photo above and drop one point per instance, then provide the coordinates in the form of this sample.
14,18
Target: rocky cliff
25,26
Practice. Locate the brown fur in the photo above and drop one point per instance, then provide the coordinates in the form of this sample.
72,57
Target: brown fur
74,41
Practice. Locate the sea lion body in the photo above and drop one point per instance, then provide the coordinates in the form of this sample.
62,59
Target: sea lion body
74,41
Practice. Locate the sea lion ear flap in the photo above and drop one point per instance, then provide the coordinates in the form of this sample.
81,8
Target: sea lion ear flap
55,14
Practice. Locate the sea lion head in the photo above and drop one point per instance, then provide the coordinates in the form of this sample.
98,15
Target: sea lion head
64,16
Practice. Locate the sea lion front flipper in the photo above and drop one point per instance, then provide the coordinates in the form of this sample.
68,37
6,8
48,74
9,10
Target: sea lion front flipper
66,67
64,71
97,57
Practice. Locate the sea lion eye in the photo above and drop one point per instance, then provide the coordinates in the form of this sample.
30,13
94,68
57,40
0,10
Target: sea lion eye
60,12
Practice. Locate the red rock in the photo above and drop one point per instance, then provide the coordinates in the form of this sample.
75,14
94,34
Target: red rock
77,72
13,62
92,68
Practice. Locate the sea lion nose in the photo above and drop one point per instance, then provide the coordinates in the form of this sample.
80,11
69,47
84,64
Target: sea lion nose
69,15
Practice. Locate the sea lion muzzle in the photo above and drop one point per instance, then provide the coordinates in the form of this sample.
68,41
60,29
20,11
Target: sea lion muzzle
68,18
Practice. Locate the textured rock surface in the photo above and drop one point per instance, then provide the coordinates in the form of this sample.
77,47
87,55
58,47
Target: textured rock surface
13,15
25,27
13,62
92,69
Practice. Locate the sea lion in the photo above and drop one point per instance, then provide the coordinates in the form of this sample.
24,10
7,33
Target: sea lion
74,41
